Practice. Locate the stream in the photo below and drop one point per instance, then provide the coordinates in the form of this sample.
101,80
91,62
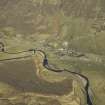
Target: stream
83,78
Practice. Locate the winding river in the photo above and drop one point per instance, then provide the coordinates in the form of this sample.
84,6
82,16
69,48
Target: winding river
48,67
87,85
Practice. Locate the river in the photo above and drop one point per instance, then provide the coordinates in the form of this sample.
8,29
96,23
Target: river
83,78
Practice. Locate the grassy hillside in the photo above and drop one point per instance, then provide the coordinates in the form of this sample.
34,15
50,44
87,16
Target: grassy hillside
52,22
77,26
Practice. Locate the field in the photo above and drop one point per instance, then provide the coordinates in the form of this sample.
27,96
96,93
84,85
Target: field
25,79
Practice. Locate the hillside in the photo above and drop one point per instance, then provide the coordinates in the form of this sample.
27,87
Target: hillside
80,23
71,32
